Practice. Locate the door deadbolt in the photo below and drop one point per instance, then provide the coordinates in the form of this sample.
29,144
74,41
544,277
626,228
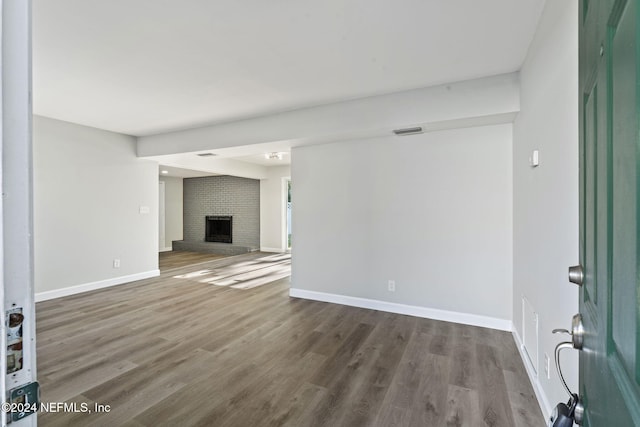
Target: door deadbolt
576,274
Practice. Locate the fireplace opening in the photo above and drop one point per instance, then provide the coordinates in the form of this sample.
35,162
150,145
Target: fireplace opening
219,229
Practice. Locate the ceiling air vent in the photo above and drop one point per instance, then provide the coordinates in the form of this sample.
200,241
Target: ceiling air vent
206,154
408,131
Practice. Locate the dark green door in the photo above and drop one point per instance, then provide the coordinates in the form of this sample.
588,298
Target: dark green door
609,212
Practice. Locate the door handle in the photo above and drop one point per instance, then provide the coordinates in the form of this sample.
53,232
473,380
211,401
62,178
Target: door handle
576,333
576,274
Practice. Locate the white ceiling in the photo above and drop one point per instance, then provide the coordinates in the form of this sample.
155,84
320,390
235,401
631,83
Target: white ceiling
144,67
191,165
164,170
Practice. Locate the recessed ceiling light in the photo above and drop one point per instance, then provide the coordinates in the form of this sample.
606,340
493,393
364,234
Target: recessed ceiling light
164,172
273,156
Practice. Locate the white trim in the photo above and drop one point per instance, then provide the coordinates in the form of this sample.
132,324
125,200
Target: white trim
162,216
167,249
543,400
278,250
3,327
92,286
284,223
411,310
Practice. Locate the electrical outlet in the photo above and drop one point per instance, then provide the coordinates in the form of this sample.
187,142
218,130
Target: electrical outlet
116,263
392,285
547,365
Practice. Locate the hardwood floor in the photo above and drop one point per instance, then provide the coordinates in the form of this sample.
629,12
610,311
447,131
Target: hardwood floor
181,351
176,259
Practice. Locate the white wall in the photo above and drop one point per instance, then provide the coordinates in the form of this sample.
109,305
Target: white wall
88,189
430,211
272,209
173,206
545,212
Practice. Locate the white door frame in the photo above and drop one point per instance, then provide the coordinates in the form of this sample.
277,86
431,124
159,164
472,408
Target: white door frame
284,222
162,217
16,213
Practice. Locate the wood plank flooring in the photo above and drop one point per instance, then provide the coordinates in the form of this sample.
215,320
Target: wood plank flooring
176,259
179,350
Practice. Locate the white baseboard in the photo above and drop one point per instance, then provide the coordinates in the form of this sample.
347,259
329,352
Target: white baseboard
167,249
277,250
411,310
92,286
543,400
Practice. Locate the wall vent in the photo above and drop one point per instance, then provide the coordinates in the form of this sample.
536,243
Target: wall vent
408,131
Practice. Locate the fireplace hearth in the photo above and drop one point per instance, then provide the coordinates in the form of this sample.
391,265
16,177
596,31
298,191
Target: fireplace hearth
219,229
